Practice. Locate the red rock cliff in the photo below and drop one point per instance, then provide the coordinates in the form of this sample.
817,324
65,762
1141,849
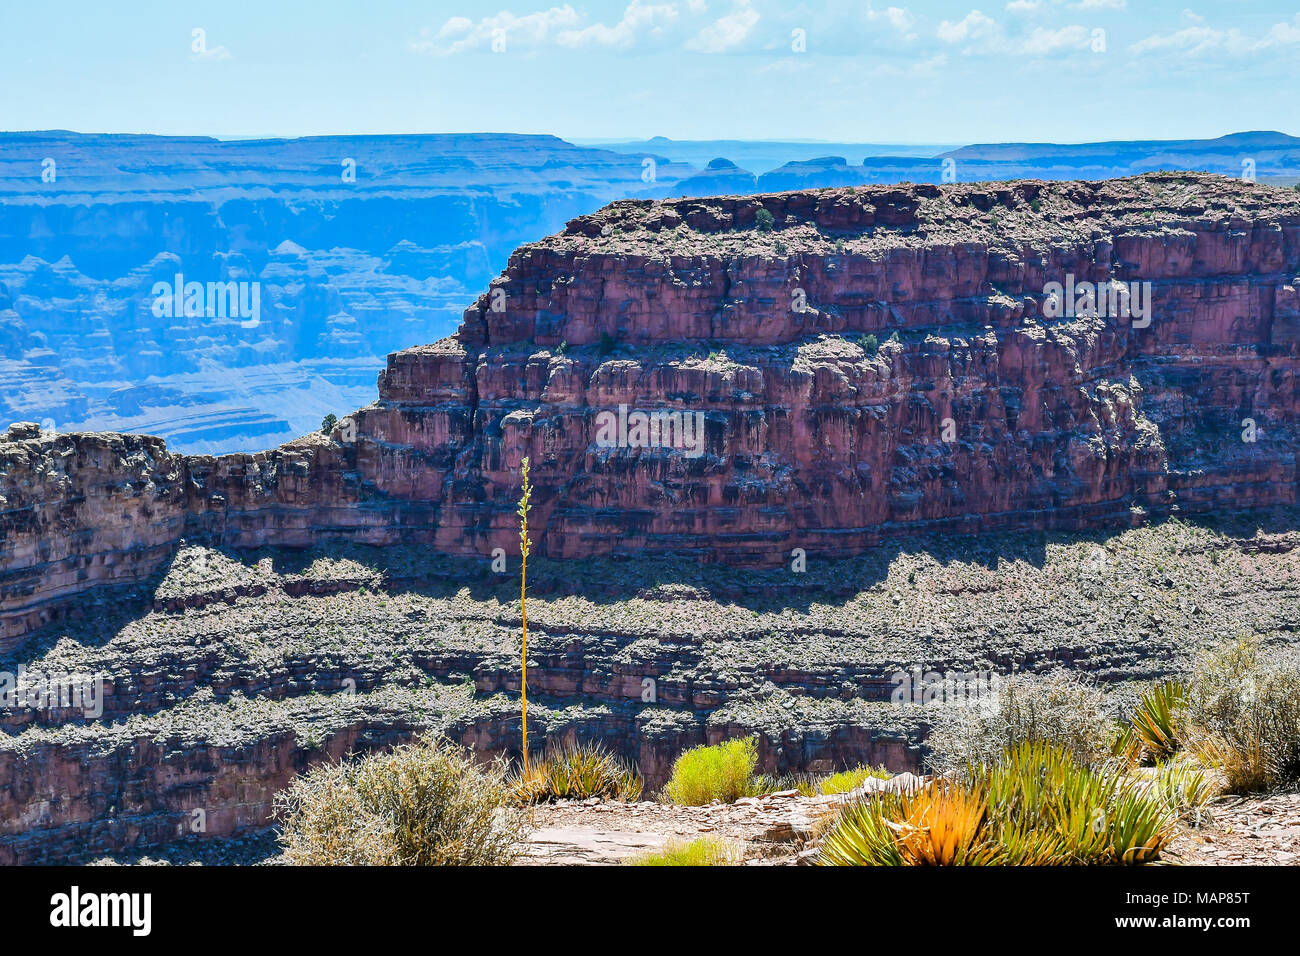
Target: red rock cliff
866,362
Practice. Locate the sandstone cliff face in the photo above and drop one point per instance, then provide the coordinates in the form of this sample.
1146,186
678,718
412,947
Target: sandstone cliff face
971,409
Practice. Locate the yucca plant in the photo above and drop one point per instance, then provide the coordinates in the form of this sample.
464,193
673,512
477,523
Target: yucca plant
941,825
577,772
525,503
862,835
1038,804
1185,787
1138,828
1157,720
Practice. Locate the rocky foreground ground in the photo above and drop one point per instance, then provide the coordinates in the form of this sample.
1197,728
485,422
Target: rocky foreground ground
779,830
232,673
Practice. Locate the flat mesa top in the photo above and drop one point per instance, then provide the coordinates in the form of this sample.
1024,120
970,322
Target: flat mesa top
860,219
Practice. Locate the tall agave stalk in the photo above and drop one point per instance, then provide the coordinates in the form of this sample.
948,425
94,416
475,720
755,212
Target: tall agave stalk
524,505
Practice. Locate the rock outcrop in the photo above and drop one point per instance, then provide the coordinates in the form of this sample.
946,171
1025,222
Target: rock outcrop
864,362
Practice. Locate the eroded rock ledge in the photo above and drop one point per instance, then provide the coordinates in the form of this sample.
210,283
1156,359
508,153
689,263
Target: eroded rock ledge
971,411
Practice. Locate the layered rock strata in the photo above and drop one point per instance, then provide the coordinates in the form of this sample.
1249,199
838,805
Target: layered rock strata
863,362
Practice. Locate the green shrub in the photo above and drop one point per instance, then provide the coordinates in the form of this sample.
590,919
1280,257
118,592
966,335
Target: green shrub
1037,804
869,344
577,772
607,344
1243,715
328,422
764,221
1056,708
423,804
706,851
847,780
721,772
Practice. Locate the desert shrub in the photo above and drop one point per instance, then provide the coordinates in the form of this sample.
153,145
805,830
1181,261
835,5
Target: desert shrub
1243,716
1056,708
723,772
764,220
328,422
577,772
607,344
847,780
869,344
706,851
423,804
1037,804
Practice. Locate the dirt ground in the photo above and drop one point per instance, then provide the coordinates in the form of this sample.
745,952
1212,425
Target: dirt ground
782,830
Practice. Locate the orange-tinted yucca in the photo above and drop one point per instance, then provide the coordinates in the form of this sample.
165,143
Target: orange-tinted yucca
1036,805
940,825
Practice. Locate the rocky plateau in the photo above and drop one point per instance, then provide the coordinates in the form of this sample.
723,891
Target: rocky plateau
909,459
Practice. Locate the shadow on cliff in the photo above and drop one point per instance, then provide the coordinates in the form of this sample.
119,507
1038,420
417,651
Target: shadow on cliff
824,580
100,616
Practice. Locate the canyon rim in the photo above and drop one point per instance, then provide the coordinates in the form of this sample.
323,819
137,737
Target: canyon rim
908,459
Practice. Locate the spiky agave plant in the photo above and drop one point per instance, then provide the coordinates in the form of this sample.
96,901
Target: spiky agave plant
1157,719
525,503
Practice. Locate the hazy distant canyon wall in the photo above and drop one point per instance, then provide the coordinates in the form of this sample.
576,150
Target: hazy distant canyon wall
353,246
358,245
876,361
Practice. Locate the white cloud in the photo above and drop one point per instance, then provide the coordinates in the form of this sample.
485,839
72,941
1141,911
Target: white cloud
897,17
643,24
1024,6
1043,42
727,32
459,34
974,26
1099,5
640,22
1199,40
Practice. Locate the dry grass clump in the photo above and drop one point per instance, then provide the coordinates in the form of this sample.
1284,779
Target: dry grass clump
1057,708
1242,716
706,851
424,804
577,772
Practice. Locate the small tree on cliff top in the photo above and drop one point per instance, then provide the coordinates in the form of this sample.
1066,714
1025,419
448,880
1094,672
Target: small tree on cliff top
524,504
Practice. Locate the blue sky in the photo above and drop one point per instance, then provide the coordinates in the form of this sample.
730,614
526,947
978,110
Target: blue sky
920,71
